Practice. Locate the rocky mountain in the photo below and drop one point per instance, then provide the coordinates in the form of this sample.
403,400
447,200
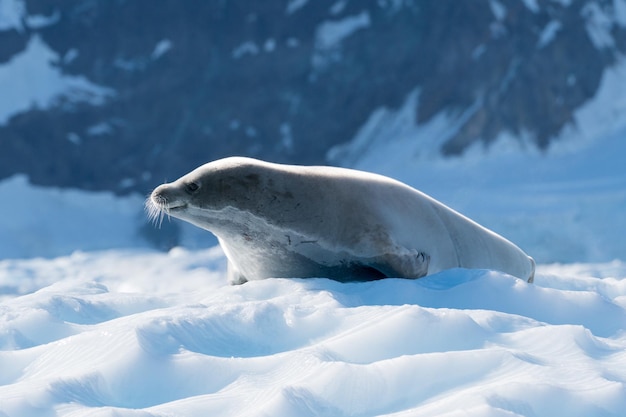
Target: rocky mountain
123,94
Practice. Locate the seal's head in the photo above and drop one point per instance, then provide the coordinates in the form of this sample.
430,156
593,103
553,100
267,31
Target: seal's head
200,196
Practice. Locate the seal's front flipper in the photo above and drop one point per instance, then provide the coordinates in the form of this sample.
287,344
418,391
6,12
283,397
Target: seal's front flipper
408,264
234,276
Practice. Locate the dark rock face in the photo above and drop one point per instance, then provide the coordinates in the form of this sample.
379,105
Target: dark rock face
191,81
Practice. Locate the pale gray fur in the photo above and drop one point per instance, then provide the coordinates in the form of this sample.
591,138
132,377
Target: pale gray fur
276,220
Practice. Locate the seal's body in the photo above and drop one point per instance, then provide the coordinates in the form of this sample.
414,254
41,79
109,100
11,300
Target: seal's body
276,220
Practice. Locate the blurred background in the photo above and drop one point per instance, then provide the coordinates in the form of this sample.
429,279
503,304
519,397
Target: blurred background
510,111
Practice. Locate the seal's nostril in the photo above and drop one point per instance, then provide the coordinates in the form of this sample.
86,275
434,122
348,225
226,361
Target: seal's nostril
161,195
159,199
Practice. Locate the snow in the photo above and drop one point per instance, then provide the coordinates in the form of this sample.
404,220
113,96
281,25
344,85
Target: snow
548,33
599,26
269,45
11,13
330,34
619,10
31,79
498,10
100,129
532,5
246,48
54,222
70,56
40,21
295,5
161,49
338,7
13,16
140,333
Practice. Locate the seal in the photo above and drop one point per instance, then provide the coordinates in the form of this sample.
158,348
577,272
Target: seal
275,220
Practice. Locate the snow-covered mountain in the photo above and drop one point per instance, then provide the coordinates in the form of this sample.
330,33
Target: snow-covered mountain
120,95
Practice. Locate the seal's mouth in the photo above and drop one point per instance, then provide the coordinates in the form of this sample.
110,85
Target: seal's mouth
157,207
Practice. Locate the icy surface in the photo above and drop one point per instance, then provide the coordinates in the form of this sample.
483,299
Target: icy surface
123,333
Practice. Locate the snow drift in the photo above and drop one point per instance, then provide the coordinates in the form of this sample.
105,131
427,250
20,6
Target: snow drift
144,334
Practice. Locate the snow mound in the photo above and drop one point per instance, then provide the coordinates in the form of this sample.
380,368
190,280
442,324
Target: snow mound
139,333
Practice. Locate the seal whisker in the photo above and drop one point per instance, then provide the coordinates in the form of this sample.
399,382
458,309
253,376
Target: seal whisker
156,210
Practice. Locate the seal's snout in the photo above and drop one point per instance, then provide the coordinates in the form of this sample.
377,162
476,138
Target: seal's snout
159,197
155,207
160,202
165,197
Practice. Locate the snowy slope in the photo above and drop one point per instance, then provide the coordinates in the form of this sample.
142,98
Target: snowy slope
124,333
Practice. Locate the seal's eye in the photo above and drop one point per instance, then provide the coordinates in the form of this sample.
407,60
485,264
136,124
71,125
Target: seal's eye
192,187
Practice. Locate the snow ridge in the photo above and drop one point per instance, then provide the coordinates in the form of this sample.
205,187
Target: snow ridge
139,333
